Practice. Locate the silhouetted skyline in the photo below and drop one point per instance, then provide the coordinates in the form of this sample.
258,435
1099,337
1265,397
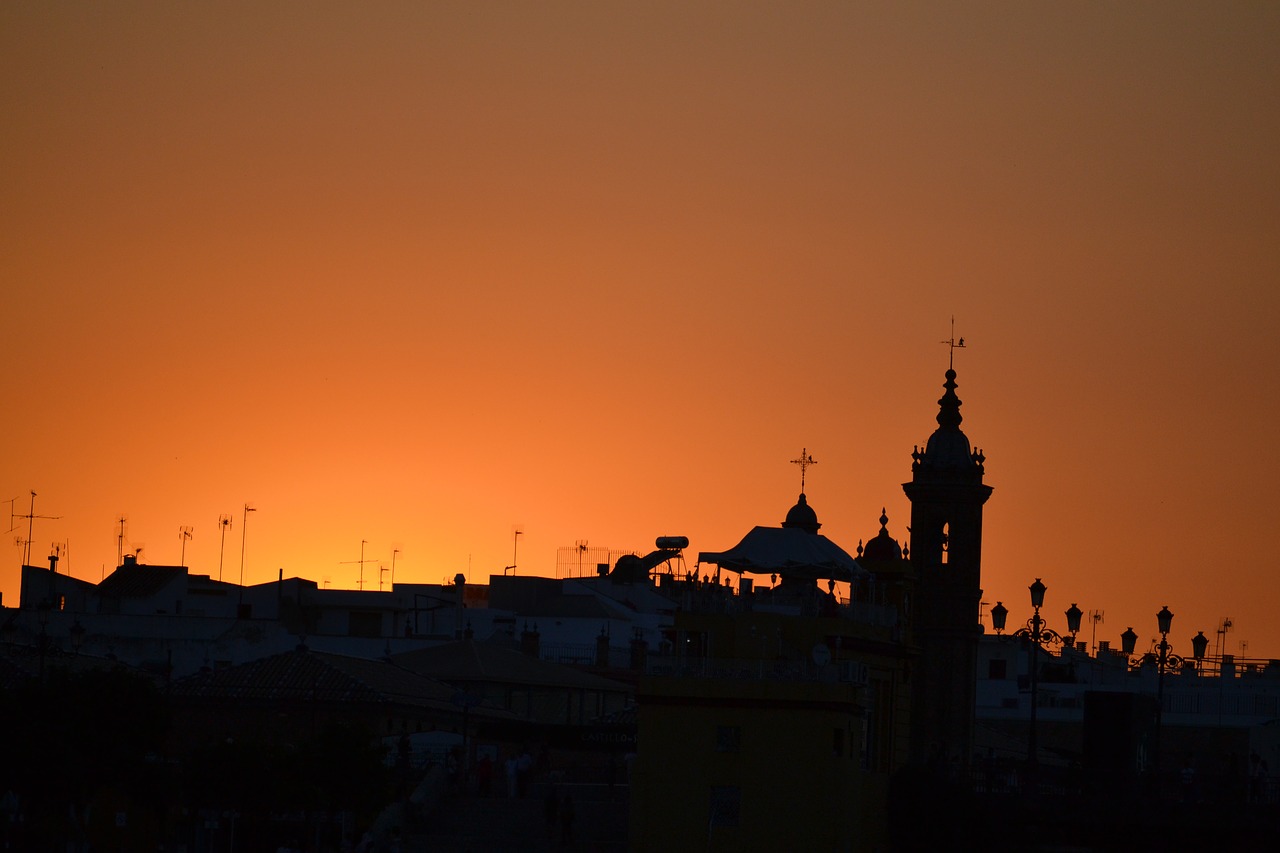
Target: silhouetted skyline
423,276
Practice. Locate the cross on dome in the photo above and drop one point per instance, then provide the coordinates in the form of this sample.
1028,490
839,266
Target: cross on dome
804,462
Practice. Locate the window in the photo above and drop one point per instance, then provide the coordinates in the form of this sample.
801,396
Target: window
726,805
837,743
366,624
997,669
728,738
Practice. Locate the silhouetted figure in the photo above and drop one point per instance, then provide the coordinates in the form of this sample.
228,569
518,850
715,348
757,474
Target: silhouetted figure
484,775
524,769
510,770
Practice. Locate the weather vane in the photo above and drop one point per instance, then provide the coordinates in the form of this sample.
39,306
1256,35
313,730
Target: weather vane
804,462
953,345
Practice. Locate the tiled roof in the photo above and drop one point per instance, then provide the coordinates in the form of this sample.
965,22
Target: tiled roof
21,663
131,581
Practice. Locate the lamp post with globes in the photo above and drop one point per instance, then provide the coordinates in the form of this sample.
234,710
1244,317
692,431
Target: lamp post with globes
1164,621
1036,625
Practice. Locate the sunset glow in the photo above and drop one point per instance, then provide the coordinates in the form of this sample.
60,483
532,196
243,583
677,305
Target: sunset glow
425,274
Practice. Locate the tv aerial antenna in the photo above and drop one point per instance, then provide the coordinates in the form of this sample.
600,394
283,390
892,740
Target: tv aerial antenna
361,561
31,517
224,524
515,547
62,550
1220,642
122,520
1095,619
184,533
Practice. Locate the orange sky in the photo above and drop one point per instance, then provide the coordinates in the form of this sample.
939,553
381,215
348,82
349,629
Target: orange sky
418,273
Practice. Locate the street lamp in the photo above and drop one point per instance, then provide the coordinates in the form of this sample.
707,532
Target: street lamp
1074,614
1164,621
1199,645
1037,590
1128,641
999,614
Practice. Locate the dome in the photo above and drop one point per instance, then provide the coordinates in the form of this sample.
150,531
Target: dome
802,516
883,546
948,447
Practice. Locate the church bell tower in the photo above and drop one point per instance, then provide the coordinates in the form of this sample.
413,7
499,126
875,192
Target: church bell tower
947,495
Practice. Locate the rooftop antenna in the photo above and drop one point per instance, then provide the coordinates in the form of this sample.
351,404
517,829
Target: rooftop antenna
515,545
382,570
362,561
953,345
394,551
62,550
120,540
804,462
244,534
31,518
1224,625
184,533
224,522
1095,619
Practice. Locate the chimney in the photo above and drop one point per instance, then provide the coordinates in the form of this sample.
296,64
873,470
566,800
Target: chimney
53,563
460,586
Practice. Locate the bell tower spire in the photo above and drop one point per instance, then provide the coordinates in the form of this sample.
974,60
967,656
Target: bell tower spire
947,495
